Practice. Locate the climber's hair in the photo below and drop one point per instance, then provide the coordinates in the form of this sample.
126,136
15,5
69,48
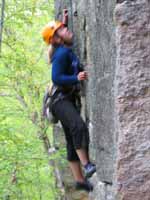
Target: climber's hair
50,52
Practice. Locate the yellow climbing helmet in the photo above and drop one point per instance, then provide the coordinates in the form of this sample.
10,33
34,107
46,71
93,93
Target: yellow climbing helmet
49,30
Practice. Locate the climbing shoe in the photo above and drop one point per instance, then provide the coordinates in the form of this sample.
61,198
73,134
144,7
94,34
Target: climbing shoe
89,169
86,185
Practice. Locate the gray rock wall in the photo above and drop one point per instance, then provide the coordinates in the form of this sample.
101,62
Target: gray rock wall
112,40
95,45
93,26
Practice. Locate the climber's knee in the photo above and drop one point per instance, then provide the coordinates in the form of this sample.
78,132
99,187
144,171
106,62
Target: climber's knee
80,136
71,153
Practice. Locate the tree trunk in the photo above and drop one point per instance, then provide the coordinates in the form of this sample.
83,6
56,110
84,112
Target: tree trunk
2,22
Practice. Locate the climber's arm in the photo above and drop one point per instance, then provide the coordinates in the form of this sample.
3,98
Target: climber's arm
65,17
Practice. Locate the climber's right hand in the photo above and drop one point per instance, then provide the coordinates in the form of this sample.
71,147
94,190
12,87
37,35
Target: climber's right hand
65,17
65,12
82,76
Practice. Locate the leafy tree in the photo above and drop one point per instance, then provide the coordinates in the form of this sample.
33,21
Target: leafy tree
24,170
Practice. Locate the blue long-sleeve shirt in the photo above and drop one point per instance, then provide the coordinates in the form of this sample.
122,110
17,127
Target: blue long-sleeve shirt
65,67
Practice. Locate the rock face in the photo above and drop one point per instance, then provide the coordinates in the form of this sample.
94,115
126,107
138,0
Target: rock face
113,43
132,97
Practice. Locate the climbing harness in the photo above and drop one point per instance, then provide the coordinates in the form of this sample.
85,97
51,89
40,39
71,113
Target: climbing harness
57,93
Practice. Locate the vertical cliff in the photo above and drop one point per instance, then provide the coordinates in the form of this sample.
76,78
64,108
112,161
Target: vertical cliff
132,99
112,40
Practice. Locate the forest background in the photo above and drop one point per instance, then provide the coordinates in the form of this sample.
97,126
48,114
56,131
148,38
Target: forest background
27,170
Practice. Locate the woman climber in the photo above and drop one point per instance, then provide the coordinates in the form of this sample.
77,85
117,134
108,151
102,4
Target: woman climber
66,78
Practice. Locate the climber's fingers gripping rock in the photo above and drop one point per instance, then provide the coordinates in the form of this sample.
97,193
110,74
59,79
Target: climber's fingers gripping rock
82,76
65,12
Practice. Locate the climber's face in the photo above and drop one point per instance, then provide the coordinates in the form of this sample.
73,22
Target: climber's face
65,35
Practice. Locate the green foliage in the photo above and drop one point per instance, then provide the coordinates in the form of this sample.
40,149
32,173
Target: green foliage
24,170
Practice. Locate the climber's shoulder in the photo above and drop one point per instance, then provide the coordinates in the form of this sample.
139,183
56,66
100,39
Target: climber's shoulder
62,51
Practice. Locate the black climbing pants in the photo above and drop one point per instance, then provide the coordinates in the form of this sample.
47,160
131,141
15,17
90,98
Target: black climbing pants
75,129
